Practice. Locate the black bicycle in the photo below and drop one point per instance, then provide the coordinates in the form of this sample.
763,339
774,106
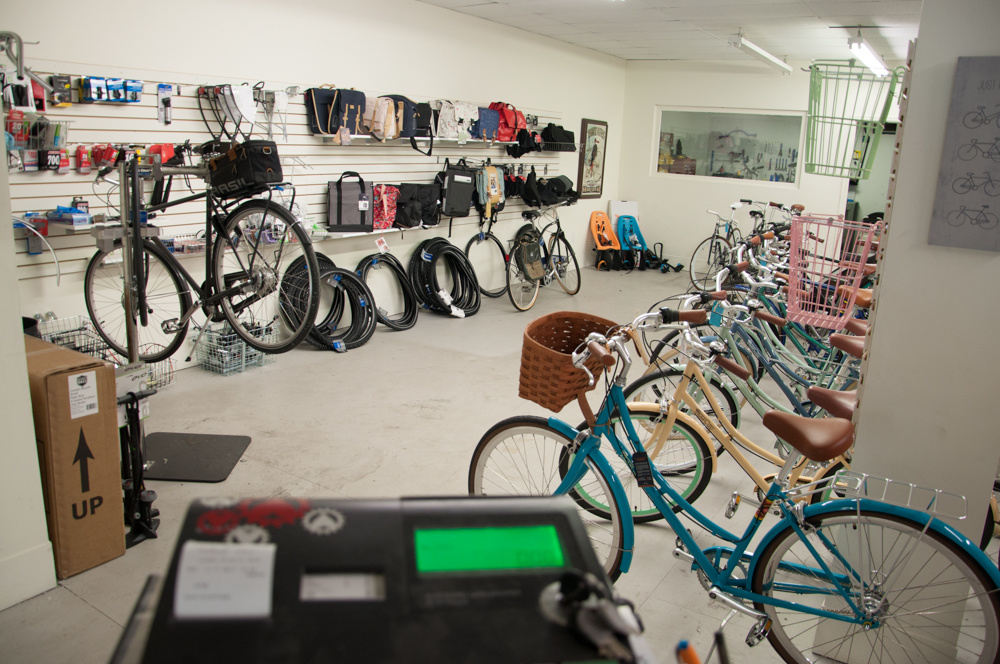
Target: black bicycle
249,243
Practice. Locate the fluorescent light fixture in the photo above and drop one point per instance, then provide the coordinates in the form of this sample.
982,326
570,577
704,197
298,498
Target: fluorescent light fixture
863,51
748,46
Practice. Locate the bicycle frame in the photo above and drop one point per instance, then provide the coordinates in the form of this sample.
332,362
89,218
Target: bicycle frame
721,576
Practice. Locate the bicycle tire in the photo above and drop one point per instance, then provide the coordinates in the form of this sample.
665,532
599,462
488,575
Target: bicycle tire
563,260
707,260
684,462
490,263
904,611
990,526
167,298
423,274
522,290
520,456
408,317
335,299
254,251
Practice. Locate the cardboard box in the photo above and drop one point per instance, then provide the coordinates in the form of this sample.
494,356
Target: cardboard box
74,405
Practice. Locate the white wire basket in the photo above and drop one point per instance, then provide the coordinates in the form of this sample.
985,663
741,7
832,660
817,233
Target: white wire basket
223,352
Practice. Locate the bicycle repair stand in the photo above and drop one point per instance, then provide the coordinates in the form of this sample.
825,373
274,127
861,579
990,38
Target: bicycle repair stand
171,457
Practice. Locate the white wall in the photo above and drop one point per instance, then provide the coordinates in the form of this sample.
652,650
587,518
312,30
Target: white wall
26,563
928,406
399,46
672,207
388,45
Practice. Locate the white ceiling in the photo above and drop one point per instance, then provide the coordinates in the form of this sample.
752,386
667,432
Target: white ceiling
796,30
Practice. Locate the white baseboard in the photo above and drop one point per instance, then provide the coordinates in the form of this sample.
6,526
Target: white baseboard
26,574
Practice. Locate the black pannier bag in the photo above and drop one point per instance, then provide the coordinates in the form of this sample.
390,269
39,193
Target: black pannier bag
350,203
556,139
458,184
245,169
417,205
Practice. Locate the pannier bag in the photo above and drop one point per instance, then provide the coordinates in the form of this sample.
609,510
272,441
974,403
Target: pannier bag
417,205
424,119
384,206
557,139
528,252
445,119
458,184
466,115
349,205
511,121
406,115
245,169
490,190
487,126
334,112
380,118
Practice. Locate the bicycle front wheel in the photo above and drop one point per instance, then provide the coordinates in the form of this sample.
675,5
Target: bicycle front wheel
489,260
565,264
681,456
261,241
521,289
167,299
520,457
927,599
708,259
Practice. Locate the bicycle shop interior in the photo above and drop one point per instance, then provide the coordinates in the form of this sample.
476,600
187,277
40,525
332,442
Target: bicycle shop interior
401,415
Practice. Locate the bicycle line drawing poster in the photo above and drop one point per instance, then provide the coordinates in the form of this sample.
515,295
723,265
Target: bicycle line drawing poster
967,201
594,137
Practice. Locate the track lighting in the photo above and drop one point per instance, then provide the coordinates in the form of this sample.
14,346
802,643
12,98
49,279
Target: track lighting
863,51
748,46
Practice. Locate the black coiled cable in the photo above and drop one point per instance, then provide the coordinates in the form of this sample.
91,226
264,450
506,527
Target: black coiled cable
349,293
408,318
423,276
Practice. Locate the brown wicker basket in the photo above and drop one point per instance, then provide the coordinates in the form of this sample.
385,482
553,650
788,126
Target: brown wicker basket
548,376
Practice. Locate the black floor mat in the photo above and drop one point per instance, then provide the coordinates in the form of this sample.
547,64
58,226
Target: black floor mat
192,457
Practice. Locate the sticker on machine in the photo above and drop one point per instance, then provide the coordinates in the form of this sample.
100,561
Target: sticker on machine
83,394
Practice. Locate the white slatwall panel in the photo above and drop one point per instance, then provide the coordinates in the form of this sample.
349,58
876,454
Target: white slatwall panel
322,162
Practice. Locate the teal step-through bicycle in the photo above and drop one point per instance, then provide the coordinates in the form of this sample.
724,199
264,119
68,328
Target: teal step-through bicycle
854,579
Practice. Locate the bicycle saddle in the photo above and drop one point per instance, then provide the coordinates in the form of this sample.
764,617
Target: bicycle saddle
530,214
839,403
862,300
849,344
818,439
858,326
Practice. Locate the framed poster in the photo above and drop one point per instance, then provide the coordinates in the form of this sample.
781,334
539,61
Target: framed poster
590,179
968,188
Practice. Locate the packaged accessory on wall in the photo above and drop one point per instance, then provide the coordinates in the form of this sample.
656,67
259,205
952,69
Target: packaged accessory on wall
349,205
557,139
245,169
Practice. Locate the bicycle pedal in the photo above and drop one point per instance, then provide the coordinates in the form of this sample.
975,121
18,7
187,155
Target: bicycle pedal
759,631
734,504
171,326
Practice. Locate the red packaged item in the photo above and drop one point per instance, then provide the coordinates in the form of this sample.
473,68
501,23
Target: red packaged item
63,162
83,164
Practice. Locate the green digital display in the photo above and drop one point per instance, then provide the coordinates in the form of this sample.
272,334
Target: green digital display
486,549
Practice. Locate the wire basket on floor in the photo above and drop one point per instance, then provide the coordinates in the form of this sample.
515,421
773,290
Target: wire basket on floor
78,333
826,263
223,352
548,376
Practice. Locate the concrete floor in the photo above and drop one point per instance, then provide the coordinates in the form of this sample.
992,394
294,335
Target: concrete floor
397,417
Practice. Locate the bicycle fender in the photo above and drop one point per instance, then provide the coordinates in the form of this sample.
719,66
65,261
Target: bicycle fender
853,504
615,484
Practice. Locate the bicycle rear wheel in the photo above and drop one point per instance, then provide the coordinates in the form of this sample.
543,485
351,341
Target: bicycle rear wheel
709,257
927,598
520,456
564,261
521,289
261,240
167,298
485,253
